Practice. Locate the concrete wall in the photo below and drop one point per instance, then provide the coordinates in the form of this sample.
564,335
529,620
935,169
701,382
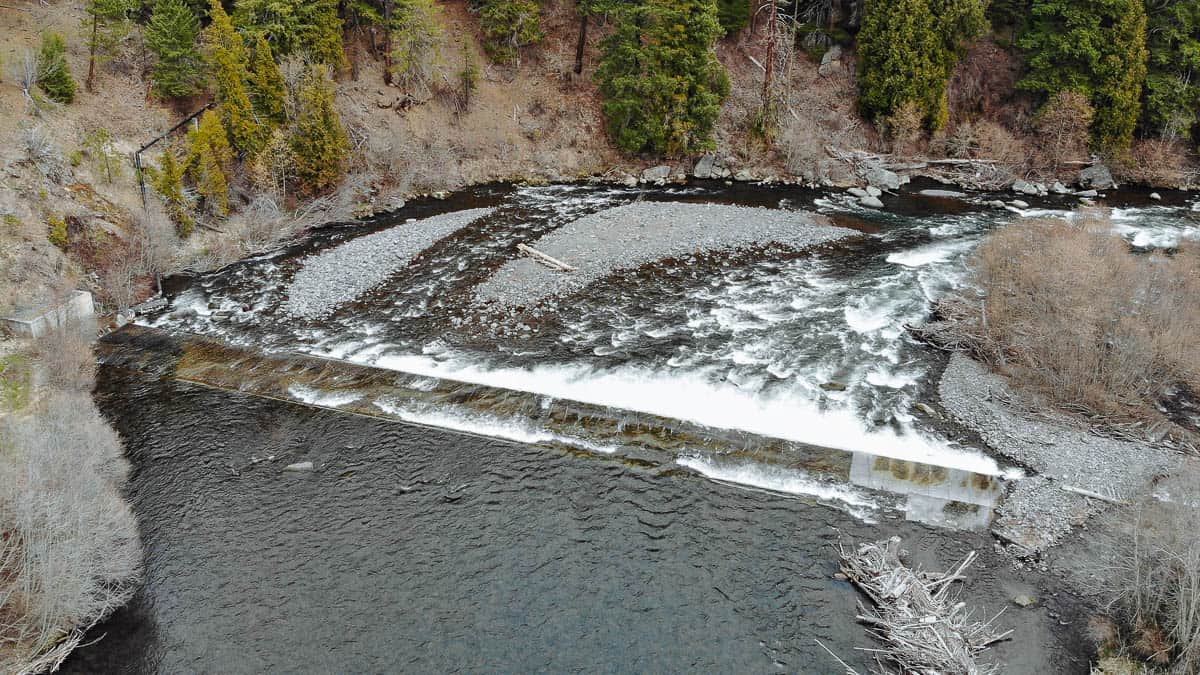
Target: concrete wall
37,323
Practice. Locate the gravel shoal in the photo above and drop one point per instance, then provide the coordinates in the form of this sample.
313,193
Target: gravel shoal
334,277
1038,512
627,237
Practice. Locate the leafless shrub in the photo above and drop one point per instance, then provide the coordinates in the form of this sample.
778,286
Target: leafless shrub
1155,579
1069,309
905,129
41,152
994,141
69,554
1159,162
65,360
1062,127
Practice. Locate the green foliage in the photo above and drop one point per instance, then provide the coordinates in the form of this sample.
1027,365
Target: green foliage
209,163
734,15
168,182
57,233
468,77
1172,96
1095,47
312,27
106,24
318,140
16,376
416,35
267,88
509,25
53,74
171,35
100,148
663,85
907,51
226,55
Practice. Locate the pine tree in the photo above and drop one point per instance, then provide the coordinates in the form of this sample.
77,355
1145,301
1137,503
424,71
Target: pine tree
416,41
1095,47
171,35
168,182
663,85
312,27
226,54
907,51
734,15
106,23
53,74
209,163
267,88
318,140
1173,81
509,25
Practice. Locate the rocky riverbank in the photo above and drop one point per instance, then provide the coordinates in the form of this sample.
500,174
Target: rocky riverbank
630,236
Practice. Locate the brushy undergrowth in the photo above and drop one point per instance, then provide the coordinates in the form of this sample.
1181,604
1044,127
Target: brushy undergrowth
69,548
1070,309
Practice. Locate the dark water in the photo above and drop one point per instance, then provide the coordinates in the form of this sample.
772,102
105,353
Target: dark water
419,550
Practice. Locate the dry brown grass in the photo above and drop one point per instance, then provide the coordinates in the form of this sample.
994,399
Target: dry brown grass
1070,310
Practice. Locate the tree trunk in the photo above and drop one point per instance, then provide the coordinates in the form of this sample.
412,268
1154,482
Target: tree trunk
387,41
92,59
583,22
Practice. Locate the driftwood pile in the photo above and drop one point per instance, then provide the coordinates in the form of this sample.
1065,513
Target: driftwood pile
926,630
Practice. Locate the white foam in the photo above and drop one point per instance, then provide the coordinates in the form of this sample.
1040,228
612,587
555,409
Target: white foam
790,414
519,430
779,479
319,397
930,253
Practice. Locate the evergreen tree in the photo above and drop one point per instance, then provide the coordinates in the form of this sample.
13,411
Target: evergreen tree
106,23
663,85
416,42
53,74
209,162
1095,47
1172,96
318,140
734,15
267,88
171,35
509,25
168,182
907,51
312,27
226,55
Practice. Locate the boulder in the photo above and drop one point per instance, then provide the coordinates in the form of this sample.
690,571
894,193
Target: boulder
1019,204
704,166
874,191
1097,177
834,53
656,174
1087,193
883,178
1024,187
996,203
1024,600
1060,189
833,385
1155,196
745,175
859,192
870,202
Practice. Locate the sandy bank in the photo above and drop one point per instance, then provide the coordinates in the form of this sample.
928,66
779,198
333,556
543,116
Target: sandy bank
627,237
334,277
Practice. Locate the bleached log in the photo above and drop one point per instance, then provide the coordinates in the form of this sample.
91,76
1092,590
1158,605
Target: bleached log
545,259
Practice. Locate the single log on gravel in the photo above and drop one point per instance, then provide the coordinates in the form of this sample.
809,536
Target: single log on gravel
917,615
537,255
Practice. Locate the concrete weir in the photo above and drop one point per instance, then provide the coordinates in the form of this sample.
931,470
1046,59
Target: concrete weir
933,494
37,322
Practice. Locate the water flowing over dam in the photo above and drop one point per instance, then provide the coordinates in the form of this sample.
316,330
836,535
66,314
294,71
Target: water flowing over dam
647,473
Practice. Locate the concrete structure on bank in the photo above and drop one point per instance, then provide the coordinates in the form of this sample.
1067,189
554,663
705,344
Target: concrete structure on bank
37,322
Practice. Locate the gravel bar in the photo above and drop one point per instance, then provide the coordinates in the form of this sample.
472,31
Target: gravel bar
1038,512
627,237
334,277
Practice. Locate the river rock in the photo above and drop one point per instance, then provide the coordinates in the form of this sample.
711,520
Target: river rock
1019,204
879,176
1097,177
656,174
858,192
945,194
833,385
745,176
704,166
874,191
997,204
1024,600
1087,193
832,54
299,466
1024,187
870,202
1060,189
1155,196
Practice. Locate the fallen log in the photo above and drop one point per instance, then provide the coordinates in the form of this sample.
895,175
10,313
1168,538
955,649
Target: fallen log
917,615
547,260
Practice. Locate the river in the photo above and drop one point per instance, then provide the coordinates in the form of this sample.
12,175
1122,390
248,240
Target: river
745,414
